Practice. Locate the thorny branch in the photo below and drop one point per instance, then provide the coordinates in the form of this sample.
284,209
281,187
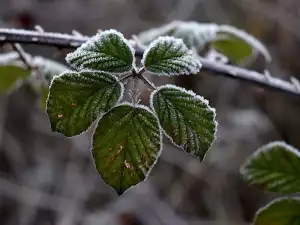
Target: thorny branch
73,41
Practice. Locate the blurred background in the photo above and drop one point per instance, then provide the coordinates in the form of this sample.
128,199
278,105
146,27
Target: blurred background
47,179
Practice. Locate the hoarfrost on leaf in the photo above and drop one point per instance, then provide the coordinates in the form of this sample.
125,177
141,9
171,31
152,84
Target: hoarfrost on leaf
196,35
193,34
170,56
107,51
126,144
186,118
77,99
274,167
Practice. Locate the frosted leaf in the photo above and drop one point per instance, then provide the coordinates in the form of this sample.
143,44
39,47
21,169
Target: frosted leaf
170,56
281,211
274,167
146,37
196,35
230,40
108,51
126,144
249,39
76,100
186,118
48,68
193,34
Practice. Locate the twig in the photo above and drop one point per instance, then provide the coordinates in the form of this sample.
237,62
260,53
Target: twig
17,47
71,41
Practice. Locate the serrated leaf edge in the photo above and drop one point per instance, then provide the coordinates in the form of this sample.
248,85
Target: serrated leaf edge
202,99
280,199
93,71
160,136
97,37
179,42
266,148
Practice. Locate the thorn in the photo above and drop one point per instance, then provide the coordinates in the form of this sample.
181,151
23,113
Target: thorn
39,28
296,83
267,75
77,33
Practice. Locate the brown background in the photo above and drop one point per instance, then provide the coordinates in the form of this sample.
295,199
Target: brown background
48,179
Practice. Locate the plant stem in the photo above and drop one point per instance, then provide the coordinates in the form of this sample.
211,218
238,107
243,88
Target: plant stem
71,41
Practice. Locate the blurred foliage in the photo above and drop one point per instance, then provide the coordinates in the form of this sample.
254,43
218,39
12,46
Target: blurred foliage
234,48
9,75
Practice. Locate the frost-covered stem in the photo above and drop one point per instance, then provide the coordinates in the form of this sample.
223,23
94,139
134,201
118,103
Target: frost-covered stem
249,76
72,41
135,92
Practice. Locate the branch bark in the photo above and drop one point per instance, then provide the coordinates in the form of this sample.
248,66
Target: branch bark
71,41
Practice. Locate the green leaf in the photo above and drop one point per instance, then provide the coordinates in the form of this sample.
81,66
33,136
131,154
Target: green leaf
44,92
256,46
234,48
274,167
170,56
186,118
282,211
9,74
77,99
108,51
236,44
126,144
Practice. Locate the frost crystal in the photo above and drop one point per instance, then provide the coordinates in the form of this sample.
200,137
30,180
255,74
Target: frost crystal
77,99
275,167
197,35
192,33
186,118
170,56
107,51
126,144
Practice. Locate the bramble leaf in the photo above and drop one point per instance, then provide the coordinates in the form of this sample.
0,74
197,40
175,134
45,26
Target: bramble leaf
77,99
282,211
234,48
227,39
186,118
274,167
232,34
126,144
170,56
194,35
107,51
